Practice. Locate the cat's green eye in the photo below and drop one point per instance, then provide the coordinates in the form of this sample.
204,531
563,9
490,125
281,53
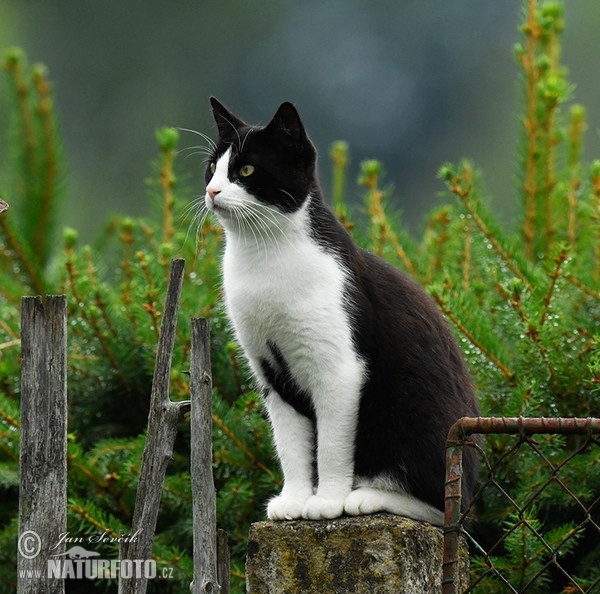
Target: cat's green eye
246,170
213,168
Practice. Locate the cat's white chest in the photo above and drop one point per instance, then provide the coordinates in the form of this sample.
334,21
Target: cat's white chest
292,295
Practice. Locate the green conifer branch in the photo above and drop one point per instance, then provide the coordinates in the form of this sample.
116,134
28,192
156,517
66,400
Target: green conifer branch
13,64
107,471
553,91
471,336
383,233
532,331
585,288
369,178
461,184
97,522
11,293
104,484
9,425
256,463
435,239
559,260
22,255
49,166
13,334
466,260
150,304
340,159
167,140
127,240
235,367
111,448
10,343
173,487
91,313
528,59
575,133
545,89
595,219
37,160
99,302
12,420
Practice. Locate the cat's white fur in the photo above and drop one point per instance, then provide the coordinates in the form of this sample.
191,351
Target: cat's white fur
281,286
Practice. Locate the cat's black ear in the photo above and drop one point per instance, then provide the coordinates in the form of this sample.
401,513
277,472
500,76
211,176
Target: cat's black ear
287,120
227,123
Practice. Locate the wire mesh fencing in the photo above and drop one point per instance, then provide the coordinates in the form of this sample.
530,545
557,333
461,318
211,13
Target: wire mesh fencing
540,497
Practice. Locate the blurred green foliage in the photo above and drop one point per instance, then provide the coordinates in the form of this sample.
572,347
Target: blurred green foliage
525,304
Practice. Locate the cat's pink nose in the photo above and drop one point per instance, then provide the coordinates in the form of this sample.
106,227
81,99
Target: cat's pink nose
212,192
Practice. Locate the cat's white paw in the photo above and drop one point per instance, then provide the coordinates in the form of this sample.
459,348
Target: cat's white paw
364,501
323,508
286,507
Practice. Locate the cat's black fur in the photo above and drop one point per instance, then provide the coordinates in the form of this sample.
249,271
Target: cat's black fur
417,384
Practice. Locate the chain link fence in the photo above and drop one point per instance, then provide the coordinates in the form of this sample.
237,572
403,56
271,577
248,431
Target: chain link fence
545,556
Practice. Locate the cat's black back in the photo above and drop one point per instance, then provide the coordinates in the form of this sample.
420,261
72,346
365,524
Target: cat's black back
417,383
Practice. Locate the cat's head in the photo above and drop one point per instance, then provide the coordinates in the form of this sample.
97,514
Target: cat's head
256,172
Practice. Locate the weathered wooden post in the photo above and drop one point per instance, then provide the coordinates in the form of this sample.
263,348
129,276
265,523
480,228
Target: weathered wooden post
211,553
43,454
203,487
163,420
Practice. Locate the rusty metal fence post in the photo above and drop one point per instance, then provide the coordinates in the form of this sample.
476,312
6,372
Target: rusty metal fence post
459,437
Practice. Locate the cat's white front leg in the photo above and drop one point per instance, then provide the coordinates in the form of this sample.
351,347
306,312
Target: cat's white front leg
336,429
294,441
335,469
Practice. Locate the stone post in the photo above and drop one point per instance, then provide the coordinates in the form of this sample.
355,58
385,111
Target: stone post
376,554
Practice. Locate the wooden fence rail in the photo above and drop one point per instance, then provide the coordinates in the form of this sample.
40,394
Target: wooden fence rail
43,457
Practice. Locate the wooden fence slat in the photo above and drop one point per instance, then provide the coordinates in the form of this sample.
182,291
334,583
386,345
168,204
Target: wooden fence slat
223,562
43,487
203,487
43,448
163,420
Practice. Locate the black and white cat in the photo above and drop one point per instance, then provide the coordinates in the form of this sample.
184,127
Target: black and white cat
359,370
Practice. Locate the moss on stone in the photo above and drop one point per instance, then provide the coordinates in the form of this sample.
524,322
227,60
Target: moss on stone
375,554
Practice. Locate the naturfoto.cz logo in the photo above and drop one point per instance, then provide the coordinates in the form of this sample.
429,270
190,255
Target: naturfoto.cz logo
79,563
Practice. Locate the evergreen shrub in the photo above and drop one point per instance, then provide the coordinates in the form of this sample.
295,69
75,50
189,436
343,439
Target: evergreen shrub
525,304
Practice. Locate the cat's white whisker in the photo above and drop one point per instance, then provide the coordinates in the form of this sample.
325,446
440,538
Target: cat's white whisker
266,217
197,147
195,204
234,128
205,137
200,213
264,230
245,137
267,235
286,192
206,154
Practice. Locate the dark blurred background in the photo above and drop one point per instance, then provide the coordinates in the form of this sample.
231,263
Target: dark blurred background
411,83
